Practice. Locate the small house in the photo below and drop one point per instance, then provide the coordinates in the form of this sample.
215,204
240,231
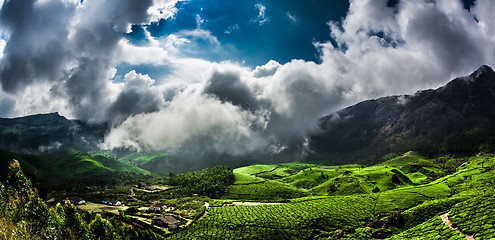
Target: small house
111,202
169,222
158,206
77,200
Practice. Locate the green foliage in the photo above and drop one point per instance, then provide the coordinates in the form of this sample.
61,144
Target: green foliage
297,220
187,207
255,169
101,228
62,172
416,188
211,182
429,209
132,210
23,215
434,228
242,178
139,158
404,198
268,190
20,202
475,217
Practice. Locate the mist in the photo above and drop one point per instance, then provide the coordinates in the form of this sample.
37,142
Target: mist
64,56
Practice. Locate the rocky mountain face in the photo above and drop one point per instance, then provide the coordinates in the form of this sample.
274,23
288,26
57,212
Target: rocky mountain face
456,118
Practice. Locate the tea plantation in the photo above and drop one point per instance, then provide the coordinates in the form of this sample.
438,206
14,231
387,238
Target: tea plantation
402,198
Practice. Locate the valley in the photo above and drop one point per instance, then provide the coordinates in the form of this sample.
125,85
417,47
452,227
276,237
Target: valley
402,198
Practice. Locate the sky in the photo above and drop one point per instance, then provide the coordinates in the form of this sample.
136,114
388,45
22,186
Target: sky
234,77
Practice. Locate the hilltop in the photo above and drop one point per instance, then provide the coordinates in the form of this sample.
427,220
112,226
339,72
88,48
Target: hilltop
456,118
49,134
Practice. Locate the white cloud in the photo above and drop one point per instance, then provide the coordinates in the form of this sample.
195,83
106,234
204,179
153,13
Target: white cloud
190,119
225,106
162,9
291,17
198,34
261,18
138,55
2,46
266,70
483,10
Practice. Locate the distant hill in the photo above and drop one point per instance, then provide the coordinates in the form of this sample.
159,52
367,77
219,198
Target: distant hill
456,118
77,169
48,133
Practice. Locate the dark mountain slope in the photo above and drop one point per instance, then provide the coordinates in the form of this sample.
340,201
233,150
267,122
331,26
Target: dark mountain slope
48,133
456,118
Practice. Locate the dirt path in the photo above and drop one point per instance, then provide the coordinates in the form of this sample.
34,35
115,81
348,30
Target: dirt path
446,220
133,195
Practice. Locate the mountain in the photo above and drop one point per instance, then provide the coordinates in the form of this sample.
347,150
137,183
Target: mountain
456,118
51,132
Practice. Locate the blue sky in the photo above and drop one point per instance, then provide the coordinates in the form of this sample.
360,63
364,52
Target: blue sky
241,75
250,32
286,30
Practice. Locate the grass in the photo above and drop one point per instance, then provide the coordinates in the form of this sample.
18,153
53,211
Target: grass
140,158
268,190
254,169
77,168
298,220
434,228
475,217
324,202
242,178
405,185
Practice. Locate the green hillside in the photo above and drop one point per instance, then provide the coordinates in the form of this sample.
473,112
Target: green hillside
75,169
353,202
406,197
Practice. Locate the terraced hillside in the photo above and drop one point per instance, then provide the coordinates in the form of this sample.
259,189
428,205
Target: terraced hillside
402,198
405,197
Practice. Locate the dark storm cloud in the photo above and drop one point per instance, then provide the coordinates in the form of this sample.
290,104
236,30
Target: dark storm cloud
74,46
450,43
136,97
36,48
228,87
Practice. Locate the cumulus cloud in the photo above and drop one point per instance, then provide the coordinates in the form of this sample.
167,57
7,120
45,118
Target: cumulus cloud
139,95
226,84
73,47
191,121
266,70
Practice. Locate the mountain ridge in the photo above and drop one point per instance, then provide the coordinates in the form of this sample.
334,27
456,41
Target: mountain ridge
428,121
